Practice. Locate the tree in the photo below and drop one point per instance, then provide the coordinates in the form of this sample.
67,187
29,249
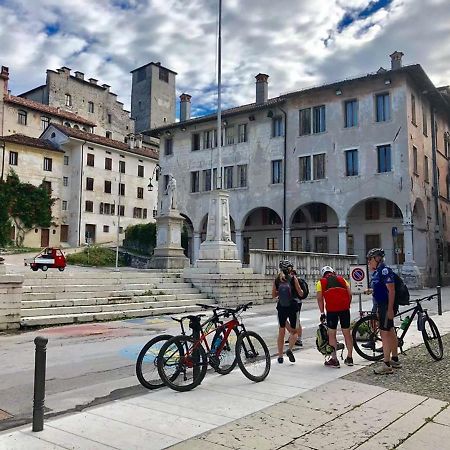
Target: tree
28,206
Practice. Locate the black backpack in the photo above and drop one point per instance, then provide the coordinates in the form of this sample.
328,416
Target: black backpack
284,289
304,285
401,291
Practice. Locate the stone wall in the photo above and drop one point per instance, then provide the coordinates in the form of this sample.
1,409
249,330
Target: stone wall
10,301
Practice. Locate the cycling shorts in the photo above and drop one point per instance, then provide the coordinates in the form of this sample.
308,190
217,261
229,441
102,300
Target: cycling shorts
343,317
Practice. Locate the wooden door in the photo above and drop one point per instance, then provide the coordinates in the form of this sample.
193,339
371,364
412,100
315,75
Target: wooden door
45,237
64,236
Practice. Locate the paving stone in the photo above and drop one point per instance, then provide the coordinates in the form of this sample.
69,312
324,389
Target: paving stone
443,417
23,441
432,436
197,444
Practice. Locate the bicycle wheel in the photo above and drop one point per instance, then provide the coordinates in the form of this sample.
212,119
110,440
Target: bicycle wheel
432,339
367,339
182,363
146,364
226,361
253,356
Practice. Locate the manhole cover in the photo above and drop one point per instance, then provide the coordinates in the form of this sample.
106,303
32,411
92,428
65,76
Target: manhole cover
4,415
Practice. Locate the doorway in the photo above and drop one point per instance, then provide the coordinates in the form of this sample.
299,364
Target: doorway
45,237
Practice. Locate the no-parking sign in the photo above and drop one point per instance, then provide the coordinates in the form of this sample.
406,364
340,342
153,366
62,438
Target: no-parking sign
358,278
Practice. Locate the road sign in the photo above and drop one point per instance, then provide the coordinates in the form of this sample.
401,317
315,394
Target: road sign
358,278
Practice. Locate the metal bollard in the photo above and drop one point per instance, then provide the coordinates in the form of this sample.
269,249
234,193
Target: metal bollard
439,299
39,383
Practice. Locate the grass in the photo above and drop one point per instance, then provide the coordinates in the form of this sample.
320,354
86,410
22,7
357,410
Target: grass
17,250
96,257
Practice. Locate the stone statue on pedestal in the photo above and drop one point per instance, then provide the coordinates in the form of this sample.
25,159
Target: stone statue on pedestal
170,200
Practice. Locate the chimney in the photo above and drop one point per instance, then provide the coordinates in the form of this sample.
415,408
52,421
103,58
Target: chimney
93,81
396,60
65,70
4,75
106,87
138,141
262,88
79,75
131,141
185,107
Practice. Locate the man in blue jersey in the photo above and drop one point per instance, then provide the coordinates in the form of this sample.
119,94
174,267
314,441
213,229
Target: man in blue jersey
383,292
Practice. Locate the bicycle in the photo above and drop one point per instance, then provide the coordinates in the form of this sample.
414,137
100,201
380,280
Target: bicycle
146,363
366,333
186,356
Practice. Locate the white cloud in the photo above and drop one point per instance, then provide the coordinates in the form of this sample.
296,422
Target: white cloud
106,39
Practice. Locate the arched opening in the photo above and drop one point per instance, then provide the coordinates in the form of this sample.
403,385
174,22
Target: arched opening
187,236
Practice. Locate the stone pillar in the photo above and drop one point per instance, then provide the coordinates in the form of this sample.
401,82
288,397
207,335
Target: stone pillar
196,245
287,239
342,239
410,272
10,299
408,242
238,234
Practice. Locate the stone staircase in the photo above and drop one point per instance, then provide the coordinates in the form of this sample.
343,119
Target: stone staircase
51,298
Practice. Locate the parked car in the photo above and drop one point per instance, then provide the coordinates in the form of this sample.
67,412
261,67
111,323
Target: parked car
49,258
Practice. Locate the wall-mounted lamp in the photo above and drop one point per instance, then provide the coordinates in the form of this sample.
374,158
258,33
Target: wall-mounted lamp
270,113
225,123
168,133
155,175
251,118
387,81
338,91
183,128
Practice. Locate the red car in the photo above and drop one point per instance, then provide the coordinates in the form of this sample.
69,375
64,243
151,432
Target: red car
52,258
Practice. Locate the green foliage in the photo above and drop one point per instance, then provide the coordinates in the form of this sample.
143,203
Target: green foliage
95,256
141,237
28,206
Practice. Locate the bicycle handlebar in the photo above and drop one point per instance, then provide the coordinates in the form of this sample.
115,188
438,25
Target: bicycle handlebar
428,298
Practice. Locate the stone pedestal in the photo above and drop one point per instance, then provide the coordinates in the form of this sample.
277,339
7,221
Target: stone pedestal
218,253
10,299
168,253
411,275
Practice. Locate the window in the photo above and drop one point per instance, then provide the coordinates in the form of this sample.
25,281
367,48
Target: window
65,181
319,166
392,210
351,163
140,171
64,205
228,177
214,178
305,121
91,107
66,160
140,192
13,158
68,100
121,189
208,139
195,182
272,243
426,175
90,159
47,185
107,208
242,175
413,109
155,213
44,122
168,146
108,164
144,213
195,142
108,134
89,206
229,135
372,241
242,132
414,154
22,117
383,108
48,163
89,184
107,187
122,166
447,144
163,74
137,213
105,228
304,164
296,244
277,127
319,125
320,244
372,208
424,121
350,244
277,175
121,210
207,180
109,118
351,113
384,158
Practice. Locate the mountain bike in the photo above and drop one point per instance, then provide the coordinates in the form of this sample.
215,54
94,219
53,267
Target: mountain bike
146,363
367,338
188,357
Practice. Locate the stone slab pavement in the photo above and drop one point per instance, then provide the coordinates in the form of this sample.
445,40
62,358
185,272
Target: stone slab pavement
299,406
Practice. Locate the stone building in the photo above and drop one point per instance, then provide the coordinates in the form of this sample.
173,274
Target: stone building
86,98
338,168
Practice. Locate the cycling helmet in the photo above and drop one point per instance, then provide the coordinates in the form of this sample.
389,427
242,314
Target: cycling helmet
375,252
285,264
326,269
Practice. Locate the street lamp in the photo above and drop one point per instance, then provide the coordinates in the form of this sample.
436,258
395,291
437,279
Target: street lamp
155,175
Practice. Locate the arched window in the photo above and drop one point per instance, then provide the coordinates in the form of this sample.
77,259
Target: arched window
67,124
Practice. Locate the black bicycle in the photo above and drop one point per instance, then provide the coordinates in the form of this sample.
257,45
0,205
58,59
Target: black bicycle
367,338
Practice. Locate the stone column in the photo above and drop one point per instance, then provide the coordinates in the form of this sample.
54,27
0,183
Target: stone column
238,234
287,239
10,299
196,245
342,239
410,272
408,242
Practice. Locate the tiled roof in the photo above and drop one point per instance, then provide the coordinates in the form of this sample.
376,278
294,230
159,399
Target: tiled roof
30,141
96,139
27,103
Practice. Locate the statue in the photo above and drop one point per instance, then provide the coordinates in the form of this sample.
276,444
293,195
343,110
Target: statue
171,201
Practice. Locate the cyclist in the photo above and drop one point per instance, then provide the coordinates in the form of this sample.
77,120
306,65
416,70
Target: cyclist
283,288
383,292
298,325
334,295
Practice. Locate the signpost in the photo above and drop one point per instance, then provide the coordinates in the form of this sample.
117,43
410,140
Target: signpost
358,280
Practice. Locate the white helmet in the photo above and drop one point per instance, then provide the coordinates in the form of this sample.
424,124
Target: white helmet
326,269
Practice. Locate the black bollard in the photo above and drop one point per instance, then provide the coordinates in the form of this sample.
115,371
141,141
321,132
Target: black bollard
39,383
439,299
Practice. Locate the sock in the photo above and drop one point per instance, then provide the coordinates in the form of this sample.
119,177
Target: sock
395,358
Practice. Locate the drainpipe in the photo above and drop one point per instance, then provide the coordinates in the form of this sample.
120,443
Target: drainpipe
81,193
3,159
284,178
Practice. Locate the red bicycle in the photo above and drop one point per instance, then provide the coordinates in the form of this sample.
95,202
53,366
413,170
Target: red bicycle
183,360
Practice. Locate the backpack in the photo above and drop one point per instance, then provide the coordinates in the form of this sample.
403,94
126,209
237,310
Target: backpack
322,343
304,285
335,293
285,297
401,291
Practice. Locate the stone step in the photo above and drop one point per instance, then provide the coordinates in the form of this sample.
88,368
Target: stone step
36,305
114,315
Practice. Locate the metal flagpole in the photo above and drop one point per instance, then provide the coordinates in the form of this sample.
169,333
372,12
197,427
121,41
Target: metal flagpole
219,99
118,222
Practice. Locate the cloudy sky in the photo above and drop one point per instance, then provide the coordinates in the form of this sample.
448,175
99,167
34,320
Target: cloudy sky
299,43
